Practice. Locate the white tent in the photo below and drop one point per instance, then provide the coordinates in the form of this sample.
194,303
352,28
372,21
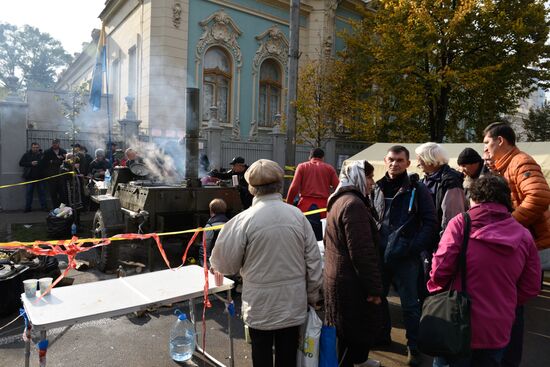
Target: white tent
375,155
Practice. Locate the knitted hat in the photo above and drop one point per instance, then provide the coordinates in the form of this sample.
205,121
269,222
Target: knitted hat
468,156
264,172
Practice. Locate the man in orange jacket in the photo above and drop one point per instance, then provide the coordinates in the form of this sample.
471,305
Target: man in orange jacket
530,198
313,180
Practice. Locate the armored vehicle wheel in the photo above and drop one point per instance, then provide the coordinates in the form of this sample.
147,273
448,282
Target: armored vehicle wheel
107,255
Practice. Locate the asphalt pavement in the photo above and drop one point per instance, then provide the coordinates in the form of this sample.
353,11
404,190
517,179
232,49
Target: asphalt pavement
142,340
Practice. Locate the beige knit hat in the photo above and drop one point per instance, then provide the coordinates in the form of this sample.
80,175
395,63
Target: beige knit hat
263,172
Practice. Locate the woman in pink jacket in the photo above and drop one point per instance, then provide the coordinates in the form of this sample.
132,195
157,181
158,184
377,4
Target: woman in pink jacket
502,266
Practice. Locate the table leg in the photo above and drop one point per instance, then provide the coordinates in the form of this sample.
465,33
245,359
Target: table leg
42,353
192,318
231,356
28,350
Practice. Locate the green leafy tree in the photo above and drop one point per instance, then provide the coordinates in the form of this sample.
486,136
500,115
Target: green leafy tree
319,104
537,123
33,56
444,69
72,103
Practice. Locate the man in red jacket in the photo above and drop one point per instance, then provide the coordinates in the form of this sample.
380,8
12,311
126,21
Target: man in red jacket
313,180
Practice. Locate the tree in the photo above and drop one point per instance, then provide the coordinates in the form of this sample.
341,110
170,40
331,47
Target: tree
72,103
318,105
31,55
440,69
537,123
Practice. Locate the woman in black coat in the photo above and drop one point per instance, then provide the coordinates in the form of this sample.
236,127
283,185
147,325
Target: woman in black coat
352,277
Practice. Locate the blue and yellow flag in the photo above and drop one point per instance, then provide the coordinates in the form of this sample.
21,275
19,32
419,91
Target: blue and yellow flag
99,70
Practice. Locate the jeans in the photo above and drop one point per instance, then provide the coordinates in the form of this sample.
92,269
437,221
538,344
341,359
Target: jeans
514,349
29,190
403,275
286,346
479,358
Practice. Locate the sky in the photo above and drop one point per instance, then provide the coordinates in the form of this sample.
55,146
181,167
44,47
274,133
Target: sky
68,21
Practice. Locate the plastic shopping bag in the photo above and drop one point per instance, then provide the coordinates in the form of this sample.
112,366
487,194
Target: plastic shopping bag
308,347
327,347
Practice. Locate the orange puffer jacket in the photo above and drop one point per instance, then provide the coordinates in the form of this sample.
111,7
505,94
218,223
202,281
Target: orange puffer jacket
530,194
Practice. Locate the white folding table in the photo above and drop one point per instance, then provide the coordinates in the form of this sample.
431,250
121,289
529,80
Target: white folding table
66,306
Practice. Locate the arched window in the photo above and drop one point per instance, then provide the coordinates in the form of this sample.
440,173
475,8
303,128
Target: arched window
216,84
270,93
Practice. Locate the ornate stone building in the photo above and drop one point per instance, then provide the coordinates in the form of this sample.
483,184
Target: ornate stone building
235,51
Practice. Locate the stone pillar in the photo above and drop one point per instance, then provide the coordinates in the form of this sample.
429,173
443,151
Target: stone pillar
279,147
129,125
330,151
214,140
13,143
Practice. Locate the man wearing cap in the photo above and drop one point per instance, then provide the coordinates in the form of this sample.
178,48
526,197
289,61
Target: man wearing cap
51,161
273,246
238,167
313,180
472,166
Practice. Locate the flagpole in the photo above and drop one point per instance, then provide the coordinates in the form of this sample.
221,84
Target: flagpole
108,110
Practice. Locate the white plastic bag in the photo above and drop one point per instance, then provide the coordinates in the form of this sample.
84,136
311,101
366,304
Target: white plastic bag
308,347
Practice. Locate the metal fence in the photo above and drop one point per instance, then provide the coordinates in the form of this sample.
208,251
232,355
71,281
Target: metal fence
250,151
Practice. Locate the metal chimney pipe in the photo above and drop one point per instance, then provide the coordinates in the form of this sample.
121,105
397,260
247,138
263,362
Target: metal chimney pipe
191,139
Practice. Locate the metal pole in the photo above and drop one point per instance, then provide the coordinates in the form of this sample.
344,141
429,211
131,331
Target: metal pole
293,54
229,317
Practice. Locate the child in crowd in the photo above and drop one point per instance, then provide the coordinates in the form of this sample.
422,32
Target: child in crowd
218,207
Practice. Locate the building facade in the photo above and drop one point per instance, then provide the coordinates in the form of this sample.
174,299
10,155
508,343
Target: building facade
234,51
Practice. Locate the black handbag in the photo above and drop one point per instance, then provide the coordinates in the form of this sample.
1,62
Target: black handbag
445,322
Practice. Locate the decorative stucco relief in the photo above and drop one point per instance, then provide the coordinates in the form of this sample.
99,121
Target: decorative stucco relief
272,43
219,29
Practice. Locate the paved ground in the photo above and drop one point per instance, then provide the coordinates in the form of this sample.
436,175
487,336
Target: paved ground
143,341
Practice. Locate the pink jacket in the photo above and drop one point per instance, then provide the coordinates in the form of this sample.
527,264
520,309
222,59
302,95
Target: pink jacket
502,266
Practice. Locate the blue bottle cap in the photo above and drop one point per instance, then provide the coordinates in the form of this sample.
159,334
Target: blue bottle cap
181,315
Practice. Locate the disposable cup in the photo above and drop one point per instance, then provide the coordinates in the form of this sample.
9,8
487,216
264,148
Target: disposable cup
235,180
30,287
44,283
218,279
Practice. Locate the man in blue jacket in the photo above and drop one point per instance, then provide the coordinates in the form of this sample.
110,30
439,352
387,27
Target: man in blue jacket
408,226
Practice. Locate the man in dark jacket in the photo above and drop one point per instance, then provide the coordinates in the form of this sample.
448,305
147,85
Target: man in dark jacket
31,161
408,226
238,168
52,160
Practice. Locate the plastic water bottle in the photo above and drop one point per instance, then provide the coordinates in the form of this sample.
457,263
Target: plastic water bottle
182,338
73,229
107,179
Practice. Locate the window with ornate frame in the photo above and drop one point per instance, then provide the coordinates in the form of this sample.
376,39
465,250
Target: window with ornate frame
216,84
270,92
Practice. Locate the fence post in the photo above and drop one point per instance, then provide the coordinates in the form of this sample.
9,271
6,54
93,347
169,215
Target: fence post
330,151
13,142
278,139
129,125
214,140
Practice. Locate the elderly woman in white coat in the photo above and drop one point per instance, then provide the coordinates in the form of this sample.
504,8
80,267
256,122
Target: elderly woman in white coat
274,248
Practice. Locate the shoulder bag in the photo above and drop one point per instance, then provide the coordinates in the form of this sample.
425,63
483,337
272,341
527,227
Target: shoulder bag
445,322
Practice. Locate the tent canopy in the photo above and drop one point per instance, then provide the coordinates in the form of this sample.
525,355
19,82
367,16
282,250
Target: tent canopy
375,155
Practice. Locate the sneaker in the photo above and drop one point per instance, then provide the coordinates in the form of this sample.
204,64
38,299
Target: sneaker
369,363
413,356
26,210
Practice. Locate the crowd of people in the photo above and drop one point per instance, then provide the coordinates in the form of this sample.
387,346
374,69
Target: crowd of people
403,231
68,189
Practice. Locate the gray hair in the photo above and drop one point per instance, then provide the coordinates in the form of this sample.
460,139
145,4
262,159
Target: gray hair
99,152
271,188
432,154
